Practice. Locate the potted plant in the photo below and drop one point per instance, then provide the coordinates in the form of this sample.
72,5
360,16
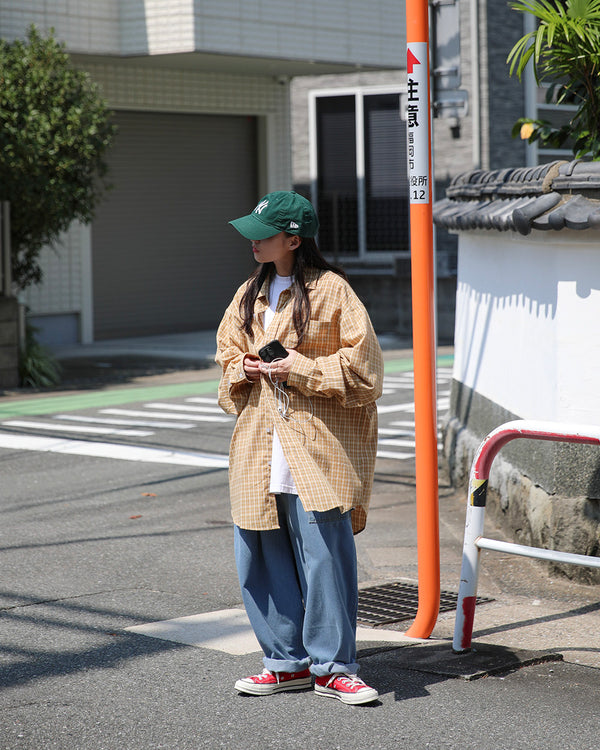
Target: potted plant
564,51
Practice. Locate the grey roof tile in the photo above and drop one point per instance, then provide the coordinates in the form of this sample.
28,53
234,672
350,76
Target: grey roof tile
551,196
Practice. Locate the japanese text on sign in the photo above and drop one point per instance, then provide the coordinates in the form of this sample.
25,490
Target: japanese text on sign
417,122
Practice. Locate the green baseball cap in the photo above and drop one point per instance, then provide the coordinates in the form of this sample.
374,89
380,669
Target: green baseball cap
281,211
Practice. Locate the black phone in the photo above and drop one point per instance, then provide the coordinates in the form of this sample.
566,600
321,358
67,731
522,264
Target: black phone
273,350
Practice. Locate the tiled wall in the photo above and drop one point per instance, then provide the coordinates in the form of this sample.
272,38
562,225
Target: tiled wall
344,31
85,25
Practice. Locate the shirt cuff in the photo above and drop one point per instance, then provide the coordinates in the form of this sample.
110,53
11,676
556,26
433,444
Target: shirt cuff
238,374
302,369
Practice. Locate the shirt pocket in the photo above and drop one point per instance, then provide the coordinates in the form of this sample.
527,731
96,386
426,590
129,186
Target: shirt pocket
321,338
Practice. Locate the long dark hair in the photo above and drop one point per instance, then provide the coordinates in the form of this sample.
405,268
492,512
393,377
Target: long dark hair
306,256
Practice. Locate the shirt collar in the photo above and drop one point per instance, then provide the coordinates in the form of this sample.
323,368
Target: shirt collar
311,277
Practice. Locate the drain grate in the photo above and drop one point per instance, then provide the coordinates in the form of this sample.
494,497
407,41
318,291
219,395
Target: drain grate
393,602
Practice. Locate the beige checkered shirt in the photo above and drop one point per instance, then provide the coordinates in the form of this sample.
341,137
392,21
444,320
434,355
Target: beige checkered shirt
329,438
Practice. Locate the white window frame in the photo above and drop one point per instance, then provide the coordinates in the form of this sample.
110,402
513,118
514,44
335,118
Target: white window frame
359,92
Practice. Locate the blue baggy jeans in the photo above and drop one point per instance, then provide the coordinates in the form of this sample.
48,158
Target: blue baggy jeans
299,587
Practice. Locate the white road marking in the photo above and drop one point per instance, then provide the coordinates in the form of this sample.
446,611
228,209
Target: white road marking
398,443
183,407
54,426
167,415
203,400
395,407
129,422
393,454
229,630
112,450
396,433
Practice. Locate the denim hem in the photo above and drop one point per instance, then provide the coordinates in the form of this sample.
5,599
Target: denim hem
286,665
333,667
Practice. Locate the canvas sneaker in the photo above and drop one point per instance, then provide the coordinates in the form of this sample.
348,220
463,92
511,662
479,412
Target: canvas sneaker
347,688
268,682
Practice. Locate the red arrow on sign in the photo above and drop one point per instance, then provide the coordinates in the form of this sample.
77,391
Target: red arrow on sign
411,60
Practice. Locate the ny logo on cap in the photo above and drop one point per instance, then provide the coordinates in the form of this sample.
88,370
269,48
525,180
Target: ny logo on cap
261,206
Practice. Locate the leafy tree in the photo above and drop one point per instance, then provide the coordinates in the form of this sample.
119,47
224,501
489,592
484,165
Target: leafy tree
564,50
54,132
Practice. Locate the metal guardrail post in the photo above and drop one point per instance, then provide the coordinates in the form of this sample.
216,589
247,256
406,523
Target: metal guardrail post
474,541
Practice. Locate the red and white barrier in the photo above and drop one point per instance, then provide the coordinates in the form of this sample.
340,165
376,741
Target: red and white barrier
474,541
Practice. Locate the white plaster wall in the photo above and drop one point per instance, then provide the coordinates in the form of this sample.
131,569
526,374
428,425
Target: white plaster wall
527,312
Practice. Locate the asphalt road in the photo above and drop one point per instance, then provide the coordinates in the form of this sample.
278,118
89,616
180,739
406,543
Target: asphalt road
92,544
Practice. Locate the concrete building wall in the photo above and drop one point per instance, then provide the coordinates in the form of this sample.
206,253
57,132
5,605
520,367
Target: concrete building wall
67,286
506,95
342,31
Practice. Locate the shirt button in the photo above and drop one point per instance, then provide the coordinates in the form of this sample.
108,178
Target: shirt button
268,430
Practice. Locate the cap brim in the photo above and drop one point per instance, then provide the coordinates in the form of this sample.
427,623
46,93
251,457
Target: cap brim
253,229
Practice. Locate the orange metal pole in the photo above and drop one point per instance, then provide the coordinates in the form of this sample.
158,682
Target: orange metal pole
423,307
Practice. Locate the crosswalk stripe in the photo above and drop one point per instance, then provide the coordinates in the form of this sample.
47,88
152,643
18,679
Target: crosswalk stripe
56,426
398,442
127,422
184,407
395,407
393,454
167,415
112,450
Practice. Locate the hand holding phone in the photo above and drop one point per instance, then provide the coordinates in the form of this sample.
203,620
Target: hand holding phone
273,350
276,361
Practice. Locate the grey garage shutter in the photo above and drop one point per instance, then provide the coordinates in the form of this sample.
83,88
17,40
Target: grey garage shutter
164,258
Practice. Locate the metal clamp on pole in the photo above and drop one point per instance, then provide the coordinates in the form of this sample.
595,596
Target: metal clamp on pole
474,541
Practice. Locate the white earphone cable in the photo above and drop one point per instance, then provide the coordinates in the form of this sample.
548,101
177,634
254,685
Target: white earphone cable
283,400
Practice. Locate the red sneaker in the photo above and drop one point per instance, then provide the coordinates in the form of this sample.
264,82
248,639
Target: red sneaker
268,682
347,688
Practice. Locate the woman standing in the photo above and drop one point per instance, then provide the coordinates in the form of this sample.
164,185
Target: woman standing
302,453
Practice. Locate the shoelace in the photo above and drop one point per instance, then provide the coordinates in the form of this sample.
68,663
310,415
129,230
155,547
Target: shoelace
349,680
266,673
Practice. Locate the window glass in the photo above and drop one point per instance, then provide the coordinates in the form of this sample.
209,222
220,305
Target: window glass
336,183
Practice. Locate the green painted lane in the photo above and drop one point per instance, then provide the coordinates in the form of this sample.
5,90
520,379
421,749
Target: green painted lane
407,365
98,399
38,406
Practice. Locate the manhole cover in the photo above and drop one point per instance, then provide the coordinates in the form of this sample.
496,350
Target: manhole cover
393,602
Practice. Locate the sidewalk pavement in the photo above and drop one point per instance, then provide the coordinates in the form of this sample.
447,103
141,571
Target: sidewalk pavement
532,610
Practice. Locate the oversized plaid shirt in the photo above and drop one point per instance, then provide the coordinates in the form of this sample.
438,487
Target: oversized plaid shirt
329,437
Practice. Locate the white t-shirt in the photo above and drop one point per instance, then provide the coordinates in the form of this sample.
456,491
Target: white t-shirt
281,476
